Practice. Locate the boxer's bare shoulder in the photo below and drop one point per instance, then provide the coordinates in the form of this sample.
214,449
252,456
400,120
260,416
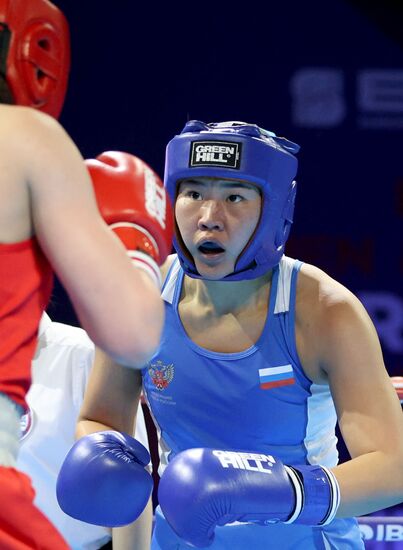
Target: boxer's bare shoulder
325,309
17,121
29,141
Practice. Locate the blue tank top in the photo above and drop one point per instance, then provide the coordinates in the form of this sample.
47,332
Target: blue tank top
256,400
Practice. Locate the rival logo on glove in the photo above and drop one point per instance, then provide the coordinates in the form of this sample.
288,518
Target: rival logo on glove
246,461
155,198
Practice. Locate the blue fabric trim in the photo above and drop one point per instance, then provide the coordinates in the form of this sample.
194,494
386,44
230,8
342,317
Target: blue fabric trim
168,275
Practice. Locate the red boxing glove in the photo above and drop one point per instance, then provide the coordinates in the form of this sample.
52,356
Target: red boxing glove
133,202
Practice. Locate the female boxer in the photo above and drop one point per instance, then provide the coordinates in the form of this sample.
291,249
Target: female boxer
261,355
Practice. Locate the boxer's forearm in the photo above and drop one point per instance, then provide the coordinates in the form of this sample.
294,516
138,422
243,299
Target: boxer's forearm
369,483
86,427
136,535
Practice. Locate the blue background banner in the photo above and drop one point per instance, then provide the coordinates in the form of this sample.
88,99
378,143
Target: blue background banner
327,75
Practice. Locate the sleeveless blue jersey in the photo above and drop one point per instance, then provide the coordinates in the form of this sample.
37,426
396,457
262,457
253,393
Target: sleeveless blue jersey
258,400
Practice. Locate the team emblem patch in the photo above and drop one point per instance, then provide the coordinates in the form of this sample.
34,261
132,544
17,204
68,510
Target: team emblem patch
224,154
161,375
26,423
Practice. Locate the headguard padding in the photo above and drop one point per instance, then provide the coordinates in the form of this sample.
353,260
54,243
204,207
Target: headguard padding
245,152
34,55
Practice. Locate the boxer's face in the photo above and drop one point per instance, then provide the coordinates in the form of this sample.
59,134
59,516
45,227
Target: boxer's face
216,219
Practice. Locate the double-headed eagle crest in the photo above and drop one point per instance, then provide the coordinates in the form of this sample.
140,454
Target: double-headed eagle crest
161,375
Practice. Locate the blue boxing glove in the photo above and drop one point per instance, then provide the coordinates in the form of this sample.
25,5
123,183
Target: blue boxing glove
103,479
203,488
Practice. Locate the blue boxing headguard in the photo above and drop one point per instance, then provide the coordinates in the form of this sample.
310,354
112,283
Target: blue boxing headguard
237,150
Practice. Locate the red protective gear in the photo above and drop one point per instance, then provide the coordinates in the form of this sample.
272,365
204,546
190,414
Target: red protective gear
133,201
22,525
34,54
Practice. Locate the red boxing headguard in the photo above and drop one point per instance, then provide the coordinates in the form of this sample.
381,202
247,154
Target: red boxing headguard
34,54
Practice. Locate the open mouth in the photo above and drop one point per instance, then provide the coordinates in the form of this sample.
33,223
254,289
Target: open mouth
210,248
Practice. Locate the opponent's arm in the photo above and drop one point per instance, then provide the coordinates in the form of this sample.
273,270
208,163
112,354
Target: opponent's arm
113,301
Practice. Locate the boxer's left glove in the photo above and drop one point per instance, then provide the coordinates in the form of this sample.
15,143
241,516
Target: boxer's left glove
103,479
133,202
203,488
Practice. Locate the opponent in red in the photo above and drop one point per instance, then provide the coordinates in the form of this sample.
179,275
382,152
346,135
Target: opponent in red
49,220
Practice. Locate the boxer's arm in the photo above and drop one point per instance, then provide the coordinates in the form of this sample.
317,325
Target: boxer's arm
113,301
111,398
137,535
368,410
105,479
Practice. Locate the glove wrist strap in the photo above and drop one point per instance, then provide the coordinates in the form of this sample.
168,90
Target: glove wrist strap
320,495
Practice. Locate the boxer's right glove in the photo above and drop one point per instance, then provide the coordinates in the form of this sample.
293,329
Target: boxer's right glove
203,488
133,202
103,479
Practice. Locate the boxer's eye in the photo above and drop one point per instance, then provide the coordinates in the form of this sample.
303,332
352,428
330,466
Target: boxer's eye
235,198
195,195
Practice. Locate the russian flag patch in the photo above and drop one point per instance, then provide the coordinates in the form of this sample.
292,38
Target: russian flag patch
274,377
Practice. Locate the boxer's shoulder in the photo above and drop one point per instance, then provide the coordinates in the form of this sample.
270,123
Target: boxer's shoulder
323,308
21,116
318,294
25,132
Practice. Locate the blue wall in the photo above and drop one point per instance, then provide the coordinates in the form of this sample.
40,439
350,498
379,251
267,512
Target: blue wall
322,74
